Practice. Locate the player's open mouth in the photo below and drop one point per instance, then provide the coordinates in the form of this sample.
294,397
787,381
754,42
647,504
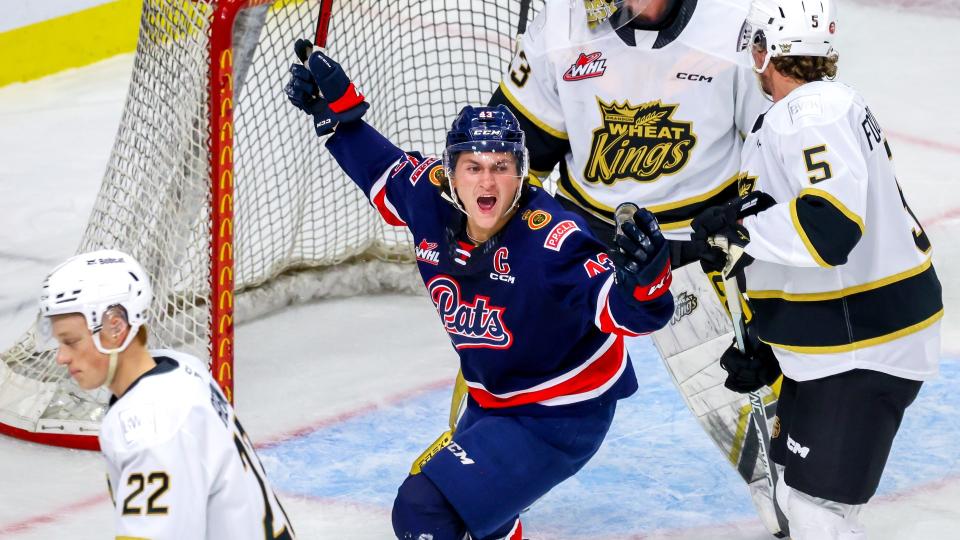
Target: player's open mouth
486,203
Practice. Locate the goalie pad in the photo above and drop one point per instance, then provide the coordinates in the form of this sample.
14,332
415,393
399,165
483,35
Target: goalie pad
690,346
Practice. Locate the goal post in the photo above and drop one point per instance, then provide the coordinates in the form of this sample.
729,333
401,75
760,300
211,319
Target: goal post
220,188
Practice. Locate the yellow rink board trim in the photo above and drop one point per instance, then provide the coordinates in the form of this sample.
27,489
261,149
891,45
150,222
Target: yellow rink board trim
73,40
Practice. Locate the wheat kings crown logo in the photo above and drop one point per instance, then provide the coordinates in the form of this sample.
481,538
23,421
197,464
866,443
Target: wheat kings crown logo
640,143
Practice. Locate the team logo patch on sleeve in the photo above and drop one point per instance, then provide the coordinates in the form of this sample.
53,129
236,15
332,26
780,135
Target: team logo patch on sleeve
745,183
559,233
536,219
640,143
586,66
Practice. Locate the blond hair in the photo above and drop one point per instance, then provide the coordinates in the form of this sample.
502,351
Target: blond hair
807,68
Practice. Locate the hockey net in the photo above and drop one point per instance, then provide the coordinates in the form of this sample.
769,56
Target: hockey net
218,186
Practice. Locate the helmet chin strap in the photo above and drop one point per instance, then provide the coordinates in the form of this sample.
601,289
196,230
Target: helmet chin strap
111,368
114,354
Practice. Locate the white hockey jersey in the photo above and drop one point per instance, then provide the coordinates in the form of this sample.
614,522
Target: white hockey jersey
180,466
655,117
843,278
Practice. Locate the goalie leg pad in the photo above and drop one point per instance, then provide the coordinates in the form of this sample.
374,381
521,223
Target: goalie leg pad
813,518
421,511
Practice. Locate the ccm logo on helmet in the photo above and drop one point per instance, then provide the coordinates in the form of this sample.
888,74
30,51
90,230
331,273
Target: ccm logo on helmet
488,132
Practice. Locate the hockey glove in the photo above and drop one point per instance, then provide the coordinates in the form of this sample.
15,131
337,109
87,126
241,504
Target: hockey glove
302,91
750,371
641,258
343,97
724,221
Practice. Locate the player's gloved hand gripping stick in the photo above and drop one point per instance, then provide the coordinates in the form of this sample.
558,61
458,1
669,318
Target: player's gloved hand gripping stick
641,256
319,87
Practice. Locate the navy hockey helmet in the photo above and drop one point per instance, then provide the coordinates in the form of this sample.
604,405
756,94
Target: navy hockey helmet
484,129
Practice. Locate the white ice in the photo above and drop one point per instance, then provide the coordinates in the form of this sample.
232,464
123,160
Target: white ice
319,365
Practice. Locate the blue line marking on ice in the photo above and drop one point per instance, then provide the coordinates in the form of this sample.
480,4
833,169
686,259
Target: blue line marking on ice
656,469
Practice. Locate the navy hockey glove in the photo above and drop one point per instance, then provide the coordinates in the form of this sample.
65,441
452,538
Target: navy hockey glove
342,95
750,371
724,221
641,258
302,91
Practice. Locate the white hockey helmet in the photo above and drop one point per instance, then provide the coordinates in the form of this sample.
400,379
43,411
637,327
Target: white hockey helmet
90,284
790,28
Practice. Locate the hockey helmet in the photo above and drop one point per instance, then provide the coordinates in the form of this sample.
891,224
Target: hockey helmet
90,284
790,28
480,130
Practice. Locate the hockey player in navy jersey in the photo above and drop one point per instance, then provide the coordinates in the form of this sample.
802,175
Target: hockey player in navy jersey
838,271
496,255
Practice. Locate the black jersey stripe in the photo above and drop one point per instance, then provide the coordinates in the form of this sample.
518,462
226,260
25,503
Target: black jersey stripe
828,229
671,216
828,323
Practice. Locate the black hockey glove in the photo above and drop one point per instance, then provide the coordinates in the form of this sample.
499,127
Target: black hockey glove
344,98
302,91
724,221
750,371
641,258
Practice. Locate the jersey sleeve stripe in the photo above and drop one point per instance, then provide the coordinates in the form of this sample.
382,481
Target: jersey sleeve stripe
554,132
601,370
378,196
604,319
828,229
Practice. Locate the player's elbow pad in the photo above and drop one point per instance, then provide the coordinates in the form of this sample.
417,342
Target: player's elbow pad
829,230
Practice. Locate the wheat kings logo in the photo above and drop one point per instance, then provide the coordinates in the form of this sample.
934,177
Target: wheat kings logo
640,143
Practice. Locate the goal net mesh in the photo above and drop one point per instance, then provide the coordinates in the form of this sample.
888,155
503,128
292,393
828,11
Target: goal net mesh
301,229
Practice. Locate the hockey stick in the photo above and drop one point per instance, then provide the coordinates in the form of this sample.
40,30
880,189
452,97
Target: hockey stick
524,13
323,24
759,412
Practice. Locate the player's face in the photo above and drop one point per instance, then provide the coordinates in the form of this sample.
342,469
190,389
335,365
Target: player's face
486,185
77,352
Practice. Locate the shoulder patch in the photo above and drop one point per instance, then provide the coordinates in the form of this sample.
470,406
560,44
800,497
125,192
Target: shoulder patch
138,424
420,169
536,219
437,175
804,106
559,233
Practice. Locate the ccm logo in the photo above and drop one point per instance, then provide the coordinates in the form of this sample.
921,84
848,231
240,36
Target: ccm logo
693,77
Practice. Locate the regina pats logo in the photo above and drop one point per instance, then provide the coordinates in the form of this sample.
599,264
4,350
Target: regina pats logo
587,66
640,143
470,325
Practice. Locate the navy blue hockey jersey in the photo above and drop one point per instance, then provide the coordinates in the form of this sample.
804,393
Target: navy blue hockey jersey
533,312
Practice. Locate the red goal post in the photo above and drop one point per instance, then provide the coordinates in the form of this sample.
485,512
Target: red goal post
220,189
